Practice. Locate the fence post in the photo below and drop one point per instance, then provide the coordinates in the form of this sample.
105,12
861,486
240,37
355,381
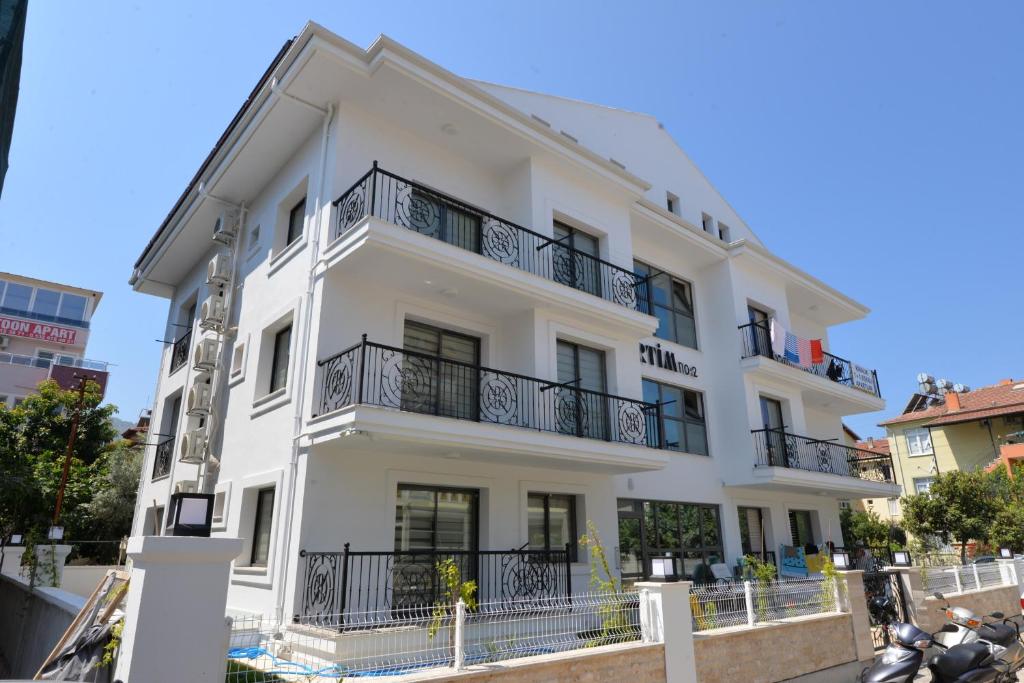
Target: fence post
977,579
748,595
668,620
174,613
460,635
956,576
1007,573
857,605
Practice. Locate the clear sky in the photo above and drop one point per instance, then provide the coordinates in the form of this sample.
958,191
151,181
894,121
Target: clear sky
877,145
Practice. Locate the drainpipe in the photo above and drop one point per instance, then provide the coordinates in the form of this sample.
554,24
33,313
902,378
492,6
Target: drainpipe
303,347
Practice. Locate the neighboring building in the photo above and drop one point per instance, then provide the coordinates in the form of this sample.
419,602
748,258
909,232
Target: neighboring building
44,330
956,431
138,432
12,40
371,367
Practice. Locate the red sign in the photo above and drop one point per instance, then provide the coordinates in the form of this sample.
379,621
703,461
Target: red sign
36,330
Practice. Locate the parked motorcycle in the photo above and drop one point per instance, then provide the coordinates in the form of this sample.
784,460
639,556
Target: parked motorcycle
1002,637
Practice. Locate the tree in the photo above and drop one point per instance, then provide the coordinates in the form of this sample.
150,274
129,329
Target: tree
33,438
869,529
959,506
116,482
1007,528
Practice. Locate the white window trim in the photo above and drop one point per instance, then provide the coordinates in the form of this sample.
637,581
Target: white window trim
241,572
910,450
222,523
265,402
238,377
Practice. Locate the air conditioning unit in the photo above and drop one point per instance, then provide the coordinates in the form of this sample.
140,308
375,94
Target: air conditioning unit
219,269
213,314
205,356
193,446
5,341
199,395
185,487
226,226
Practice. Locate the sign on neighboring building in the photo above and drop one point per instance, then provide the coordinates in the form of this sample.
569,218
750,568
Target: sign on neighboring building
863,378
37,330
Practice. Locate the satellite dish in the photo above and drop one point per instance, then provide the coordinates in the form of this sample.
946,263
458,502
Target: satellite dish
944,384
927,388
925,378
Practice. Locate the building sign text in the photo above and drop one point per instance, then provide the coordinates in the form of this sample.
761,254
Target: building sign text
666,360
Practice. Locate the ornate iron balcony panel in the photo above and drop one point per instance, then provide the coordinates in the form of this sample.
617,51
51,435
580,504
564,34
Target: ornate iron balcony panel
180,351
777,448
445,218
163,457
378,375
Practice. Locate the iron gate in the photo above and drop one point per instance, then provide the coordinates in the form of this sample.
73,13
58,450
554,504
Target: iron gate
887,584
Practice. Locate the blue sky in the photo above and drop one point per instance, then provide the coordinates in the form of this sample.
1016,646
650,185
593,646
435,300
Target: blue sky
877,145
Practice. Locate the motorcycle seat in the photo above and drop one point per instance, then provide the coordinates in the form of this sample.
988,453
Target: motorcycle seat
952,663
1000,634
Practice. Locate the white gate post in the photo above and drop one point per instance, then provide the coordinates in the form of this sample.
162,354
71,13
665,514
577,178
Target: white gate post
174,615
959,583
460,635
748,596
977,579
668,620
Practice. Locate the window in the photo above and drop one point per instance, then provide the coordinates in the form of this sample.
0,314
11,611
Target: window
690,533
571,265
551,522
723,232
254,238
72,306
436,518
672,203
237,359
157,520
296,217
46,302
261,530
708,223
446,388
923,484
844,504
894,506
219,500
800,527
279,363
919,441
3,400
671,302
581,413
752,532
17,296
682,417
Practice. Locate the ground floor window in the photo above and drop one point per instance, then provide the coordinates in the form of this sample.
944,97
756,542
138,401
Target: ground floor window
753,537
551,521
800,527
263,524
436,518
689,533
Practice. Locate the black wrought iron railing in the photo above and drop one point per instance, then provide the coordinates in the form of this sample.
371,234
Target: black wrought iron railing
352,587
757,341
374,374
163,457
180,351
778,448
428,212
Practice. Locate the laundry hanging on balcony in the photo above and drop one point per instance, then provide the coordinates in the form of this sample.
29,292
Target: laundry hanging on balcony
800,351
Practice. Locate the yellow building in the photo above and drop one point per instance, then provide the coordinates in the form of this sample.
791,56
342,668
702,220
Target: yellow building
959,431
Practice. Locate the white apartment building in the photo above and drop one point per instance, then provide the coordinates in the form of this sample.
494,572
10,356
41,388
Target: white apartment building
444,317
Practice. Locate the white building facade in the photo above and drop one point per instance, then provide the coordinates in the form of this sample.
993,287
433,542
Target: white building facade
449,318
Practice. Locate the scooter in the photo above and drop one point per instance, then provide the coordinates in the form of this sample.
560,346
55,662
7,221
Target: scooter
1002,637
902,658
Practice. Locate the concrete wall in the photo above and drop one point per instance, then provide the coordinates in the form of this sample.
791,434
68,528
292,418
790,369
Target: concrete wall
634,662
82,580
1005,599
776,651
31,623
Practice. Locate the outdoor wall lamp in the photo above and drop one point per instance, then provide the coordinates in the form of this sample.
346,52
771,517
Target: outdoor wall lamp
841,560
901,558
192,514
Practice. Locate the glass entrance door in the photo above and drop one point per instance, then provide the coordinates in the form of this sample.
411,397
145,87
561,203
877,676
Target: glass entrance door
753,536
760,332
431,525
774,435
580,412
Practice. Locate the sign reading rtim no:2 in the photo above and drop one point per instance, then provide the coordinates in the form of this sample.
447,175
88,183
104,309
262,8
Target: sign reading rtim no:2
36,330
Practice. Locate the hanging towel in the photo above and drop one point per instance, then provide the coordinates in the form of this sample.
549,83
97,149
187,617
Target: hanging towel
817,355
792,352
803,347
778,338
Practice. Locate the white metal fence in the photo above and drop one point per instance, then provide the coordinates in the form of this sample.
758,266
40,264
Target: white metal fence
752,602
955,579
397,642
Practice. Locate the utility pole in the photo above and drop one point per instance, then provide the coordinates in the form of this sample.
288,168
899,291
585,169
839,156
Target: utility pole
70,448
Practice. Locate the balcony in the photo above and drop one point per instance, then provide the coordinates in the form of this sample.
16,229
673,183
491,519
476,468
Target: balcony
47,363
782,458
42,317
394,397
162,458
427,212
180,351
835,384
356,587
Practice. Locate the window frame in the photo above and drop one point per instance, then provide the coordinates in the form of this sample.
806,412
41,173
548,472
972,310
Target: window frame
927,488
683,419
257,526
649,274
573,524
474,493
298,208
893,506
275,359
917,432
649,550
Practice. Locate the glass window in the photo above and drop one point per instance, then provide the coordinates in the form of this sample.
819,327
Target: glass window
919,441
923,484
44,358
583,413
296,217
575,258
551,521
435,518
688,532
279,364
46,302
17,296
800,527
894,505
447,387
261,531
669,300
72,307
682,416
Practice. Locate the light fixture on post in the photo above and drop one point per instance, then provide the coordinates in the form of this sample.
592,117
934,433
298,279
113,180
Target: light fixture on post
16,539
192,514
1006,553
841,560
56,533
901,558
664,569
